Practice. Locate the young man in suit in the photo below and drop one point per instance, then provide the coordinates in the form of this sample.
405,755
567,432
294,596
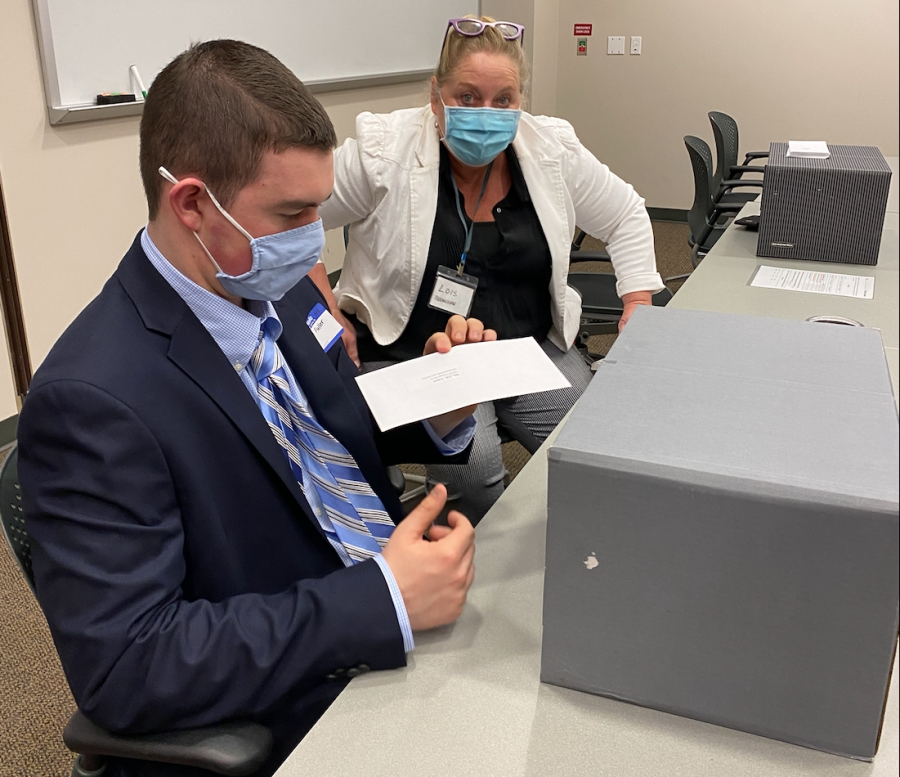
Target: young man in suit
213,530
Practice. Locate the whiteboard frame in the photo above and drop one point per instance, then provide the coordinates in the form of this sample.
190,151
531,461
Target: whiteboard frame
70,114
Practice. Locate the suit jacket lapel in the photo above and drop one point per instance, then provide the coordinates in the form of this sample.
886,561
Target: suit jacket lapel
193,350
337,407
328,397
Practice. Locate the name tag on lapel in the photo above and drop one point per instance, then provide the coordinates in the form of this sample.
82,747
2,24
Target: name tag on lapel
324,326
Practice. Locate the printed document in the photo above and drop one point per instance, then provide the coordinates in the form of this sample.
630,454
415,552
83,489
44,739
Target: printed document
808,149
858,286
469,374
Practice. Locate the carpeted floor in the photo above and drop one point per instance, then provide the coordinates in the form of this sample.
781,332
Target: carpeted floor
35,702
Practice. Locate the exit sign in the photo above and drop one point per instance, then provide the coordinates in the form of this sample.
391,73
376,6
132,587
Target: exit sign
583,29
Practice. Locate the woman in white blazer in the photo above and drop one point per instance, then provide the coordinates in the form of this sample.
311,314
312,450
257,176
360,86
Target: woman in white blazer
469,205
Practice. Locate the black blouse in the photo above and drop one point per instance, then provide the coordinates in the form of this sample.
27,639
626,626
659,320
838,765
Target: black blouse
509,256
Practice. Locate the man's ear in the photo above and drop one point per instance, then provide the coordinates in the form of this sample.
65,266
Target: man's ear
185,199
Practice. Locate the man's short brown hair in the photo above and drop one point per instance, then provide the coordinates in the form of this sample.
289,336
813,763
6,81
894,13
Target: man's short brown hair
216,109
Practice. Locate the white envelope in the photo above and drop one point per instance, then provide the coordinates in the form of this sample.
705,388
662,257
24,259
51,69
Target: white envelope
469,374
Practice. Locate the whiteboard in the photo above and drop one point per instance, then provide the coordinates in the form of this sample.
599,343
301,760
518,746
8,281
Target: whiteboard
87,46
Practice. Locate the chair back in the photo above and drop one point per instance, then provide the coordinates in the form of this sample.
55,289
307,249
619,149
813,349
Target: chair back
703,205
11,514
725,131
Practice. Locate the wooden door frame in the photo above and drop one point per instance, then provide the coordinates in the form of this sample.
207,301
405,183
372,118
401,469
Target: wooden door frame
11,303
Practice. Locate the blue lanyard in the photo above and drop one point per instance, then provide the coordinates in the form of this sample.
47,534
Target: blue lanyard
468,227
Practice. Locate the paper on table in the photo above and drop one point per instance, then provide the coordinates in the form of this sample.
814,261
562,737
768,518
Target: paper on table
808,149
858,286
469,374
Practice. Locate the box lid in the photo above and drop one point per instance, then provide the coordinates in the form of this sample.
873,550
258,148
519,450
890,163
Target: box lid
845,158
772,405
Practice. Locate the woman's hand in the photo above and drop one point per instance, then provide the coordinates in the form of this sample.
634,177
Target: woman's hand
459,331
630,302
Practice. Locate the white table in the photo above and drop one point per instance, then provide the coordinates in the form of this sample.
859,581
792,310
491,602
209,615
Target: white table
721,282
470,701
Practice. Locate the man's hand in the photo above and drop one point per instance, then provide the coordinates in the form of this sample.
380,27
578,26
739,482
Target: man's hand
459,330
630,302
434,575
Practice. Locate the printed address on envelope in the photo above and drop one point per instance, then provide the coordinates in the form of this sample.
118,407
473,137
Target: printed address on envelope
440,382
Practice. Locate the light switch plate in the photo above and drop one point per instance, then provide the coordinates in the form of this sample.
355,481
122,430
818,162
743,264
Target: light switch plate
615,44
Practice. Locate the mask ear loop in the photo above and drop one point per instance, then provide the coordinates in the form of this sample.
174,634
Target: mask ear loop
173,180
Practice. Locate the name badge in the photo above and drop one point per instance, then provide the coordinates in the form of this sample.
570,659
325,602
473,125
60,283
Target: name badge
453,293
324,326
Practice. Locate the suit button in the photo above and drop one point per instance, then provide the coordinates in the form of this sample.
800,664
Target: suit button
363,668
331,676
353,672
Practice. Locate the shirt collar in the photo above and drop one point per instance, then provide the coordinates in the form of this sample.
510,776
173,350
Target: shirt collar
236,330
518,179
518,190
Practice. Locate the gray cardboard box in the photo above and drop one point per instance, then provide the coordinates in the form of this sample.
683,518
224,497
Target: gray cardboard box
828,210
722,536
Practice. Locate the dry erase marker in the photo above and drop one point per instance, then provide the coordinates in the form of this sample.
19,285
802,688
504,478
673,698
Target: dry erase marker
137,78
114,98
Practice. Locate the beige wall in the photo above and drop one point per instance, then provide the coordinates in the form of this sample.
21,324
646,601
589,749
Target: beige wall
540,18
73,193
785,69
805,70
545,67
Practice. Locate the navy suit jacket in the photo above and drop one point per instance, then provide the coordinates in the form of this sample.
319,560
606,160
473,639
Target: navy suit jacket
181,571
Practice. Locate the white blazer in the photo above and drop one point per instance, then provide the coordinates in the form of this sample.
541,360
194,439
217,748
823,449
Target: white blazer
386,189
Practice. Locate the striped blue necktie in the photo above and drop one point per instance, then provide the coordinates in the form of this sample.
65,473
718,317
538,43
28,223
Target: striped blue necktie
354,519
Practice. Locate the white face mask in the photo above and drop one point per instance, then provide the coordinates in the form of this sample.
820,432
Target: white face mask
280,260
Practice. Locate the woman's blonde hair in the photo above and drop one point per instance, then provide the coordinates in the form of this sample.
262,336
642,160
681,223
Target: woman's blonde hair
457,47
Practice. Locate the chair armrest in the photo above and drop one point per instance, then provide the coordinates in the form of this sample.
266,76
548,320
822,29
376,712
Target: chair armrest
233,748
510,423
588,256
725,207
579,239
720,209
750,155
740,182
735,171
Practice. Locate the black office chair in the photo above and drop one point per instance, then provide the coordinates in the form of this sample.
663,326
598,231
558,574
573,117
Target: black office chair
601,307
234,748
725,132
707,218
576,254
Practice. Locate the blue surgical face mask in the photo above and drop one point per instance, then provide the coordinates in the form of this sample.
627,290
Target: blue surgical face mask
280,260
475,136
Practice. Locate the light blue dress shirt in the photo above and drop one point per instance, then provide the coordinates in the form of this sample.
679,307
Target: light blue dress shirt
237,332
